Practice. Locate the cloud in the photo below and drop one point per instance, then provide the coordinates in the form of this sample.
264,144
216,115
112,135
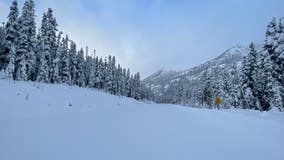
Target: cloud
147,35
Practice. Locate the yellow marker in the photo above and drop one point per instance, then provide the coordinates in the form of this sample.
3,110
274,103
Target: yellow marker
218,101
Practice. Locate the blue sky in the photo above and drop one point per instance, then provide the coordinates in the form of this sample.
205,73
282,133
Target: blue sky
148,35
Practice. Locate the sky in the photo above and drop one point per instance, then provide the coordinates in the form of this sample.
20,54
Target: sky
149,35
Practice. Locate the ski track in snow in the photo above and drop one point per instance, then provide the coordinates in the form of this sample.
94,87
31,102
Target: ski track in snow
59,122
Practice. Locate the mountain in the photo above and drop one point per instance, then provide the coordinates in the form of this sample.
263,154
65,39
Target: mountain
60,122
161,80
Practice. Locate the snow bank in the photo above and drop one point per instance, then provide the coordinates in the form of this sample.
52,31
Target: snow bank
58,122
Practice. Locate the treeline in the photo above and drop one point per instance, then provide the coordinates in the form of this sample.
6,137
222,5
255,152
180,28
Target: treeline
48,56
255,83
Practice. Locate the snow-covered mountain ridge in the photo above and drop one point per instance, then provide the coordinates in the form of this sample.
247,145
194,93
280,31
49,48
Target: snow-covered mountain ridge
161,79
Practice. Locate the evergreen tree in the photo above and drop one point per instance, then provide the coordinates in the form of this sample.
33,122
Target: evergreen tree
87,67
42,53
2,46
25,57
123,85
119,80
56,63
137,85
110,82
248,80
80,69
11,41
65,62
235,86
99,74
92,75
52,44
73,63
207,91
128,84
272,76
279,49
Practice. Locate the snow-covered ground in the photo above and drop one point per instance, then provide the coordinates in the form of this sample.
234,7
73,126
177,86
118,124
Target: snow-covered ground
58,122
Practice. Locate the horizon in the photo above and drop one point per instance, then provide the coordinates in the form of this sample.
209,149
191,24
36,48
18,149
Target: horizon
174,35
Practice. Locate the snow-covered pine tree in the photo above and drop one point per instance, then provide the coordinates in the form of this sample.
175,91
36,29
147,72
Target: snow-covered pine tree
105,73
248,80
7,59
132,86
226,89
271,43
128,83
181,91
119,80
123,85
235,86
73,63
52,44
99,82
87,67
55,71
113,76
279,49
207,90
2,46
64,71
272,62
25,57
43,52
80,69
92,76
268,87
137,84
110,76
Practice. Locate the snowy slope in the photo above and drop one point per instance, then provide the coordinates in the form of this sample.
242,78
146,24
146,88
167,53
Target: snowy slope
57,122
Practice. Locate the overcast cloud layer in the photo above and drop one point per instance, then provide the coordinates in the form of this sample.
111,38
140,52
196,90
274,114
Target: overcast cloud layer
148,35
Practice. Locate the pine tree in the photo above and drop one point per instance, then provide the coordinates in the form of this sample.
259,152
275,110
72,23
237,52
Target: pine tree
207,90
272,76
128,84
52,44
181,91
248,80
92,75
43,53
73,63
25,58
11,41
119,80
2,46
123,85
56,66
10,69
100,74
280,60
80,69
235,86
87,67
110,82
65,62
113,76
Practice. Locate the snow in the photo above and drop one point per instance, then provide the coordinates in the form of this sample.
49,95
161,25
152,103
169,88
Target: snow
59,122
